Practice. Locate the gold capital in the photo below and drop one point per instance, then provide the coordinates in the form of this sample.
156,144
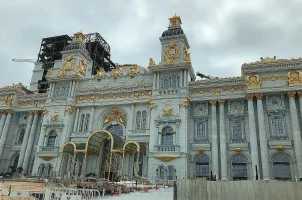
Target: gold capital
9,111
221,102
291,94
249,97
259,96
213,102
299,94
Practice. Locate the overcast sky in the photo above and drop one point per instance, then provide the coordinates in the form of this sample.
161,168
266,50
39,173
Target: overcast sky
222,34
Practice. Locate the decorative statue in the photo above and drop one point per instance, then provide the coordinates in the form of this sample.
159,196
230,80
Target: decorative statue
82,67
101,73
69,63
8,101
77,167
151,62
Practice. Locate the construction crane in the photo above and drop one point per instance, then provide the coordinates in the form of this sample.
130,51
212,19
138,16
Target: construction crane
205,76
25,60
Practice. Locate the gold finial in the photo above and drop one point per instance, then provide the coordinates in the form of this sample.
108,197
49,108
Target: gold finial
79,36
175,20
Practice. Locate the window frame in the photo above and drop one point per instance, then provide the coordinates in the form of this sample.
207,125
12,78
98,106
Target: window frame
201,164
197,123
19,133
237,164
168,135
52,135
235,118
281,116
279,163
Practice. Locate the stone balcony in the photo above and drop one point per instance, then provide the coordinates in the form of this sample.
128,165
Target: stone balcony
49,149
166,148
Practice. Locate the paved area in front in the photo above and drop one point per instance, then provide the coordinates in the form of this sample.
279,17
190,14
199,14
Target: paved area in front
161,194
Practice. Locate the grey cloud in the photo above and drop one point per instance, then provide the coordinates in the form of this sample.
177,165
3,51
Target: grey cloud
222,34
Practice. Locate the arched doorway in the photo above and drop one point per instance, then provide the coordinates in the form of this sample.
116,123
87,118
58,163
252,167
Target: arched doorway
239,167
281,166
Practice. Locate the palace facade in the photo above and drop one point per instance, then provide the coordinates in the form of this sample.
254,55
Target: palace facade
157,122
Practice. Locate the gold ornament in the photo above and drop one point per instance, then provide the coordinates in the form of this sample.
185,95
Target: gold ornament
238,150
60,129
116,72
47,158
49,74
280,148
175,21
115,115
187,57
213,102
252,81
177,125
166,158
79,36
185,103
221,101
61,73
86,98
156,125
272,78
171,51
151,62
8,101
232,89
291,94
152,104
69,109
294,78
299,94
101,73
54,117
133,70
68,63
259,96
216,91
250,97
82,67
201,150
167,111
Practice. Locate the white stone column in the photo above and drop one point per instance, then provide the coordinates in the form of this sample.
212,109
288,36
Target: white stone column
253,136
157,85
214,145
52,89
185,79
180,79
2,122
30,143
154,81
49,91
91,118
263,138
5,132
76,120
25,140
159,138
296,131
300,102
133,118
223,144
42,138
70,88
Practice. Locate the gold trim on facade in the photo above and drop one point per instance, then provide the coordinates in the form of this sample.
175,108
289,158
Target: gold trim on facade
166,158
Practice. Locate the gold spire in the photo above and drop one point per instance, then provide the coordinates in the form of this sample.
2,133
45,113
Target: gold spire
79,36
175,20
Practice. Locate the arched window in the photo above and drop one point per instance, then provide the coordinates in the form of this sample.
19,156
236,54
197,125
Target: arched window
21,136
281,166
161,172
48,170
166,82
52,138
167,136
144,120
87,122
138,120
239,167
202,166
41,169
81,125
116,129
171,172
174,82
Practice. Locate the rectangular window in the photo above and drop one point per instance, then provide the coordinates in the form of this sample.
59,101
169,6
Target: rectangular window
237,129
277,127
201,131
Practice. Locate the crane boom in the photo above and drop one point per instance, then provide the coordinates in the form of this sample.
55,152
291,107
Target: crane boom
24,60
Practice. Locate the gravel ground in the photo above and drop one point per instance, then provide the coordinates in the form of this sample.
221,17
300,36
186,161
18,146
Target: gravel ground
161,194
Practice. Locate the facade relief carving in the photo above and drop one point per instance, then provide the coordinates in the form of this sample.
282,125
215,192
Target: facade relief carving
115,116
294,78
274,103
8,100
171,51
69,63
201,110
167,111
185,103
151,62
252,81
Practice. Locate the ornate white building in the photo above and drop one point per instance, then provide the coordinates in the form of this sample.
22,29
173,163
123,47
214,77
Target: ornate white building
158,121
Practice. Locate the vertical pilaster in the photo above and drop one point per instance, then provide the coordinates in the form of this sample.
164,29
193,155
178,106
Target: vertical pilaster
177,134
49,91
42,139
296,131
70,88
253,136
30,143
262,137
214,145
5,132
185,78
158,85
25,140
52,89
223,147
91,118
133,117
300,102
180,79
154,81
76,120
2,122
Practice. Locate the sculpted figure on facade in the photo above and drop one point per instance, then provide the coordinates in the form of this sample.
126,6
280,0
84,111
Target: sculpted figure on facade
151,62
62,73
171,52
8,101
252,81
115,115
187,56
133,70
100,74
294,78
69,63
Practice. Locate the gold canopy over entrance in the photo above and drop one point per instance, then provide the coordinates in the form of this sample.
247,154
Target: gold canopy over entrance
93,147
